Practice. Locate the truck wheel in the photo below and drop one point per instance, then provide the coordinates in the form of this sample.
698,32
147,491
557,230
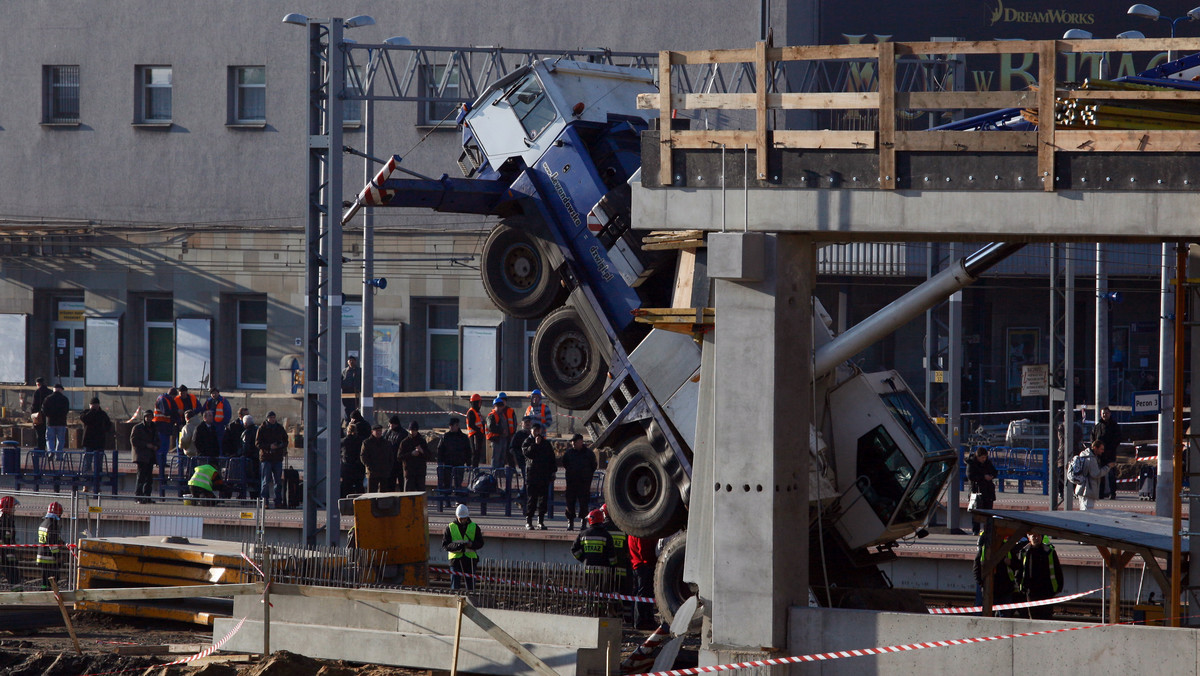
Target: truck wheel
565,364
642,498
670,591
515,274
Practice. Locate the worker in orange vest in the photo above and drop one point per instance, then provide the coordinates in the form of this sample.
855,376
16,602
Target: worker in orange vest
539,412
475,433
501,424
222,414
186,401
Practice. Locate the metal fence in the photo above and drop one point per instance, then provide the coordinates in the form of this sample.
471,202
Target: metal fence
210,519
558,588
323,566
20,570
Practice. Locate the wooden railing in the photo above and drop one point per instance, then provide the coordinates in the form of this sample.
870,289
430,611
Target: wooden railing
887,140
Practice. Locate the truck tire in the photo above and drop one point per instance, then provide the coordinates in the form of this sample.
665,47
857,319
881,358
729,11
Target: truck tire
566,365
670,591
515,275
641,496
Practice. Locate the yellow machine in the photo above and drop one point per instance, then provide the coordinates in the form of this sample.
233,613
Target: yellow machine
395,523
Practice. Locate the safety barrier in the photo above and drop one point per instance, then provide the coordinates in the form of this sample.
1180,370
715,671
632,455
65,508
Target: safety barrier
19,569
60,469
455,486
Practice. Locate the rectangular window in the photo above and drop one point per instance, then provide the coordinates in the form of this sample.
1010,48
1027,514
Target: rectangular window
252,344
159,342
444,85
532,107
60,91
352,114
154,94
442,346
249,85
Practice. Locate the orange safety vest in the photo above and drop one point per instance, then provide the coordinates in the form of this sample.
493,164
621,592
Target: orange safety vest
510,418
163,407
474,422
190,403
218,409
542,416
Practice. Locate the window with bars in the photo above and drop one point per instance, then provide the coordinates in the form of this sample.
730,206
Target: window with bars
248,85
154,94
60,94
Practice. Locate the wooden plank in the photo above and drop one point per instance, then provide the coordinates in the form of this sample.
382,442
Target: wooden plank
664,119
708,140
968,47
1134,45
1128,141
761,139
845,100
709,56
887,115
955,100
376,595
174,614
1047,66
682,245
90,578
65,615
821,52
505,639
967,141
150,550
825,139
787,101
685,278
83,595
1188,95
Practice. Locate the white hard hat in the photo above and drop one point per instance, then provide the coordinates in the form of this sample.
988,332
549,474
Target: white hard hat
462,512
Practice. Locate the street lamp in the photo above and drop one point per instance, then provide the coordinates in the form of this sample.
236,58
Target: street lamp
1148,13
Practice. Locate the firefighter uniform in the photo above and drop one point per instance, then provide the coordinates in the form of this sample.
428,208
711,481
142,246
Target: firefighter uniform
50,551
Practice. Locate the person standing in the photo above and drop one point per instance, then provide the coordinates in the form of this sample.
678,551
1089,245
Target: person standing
501,424
1039,575
250,453
35,410
55,408
643,555
475,432
143,439
8,536
379,459
50,550
1108,430
186,401
353,471
222,414
205,442
621,545
394,434
981,473
538,411
351,384
231,437
462,539
1087,474
593,547
167,421
579,466
96,428
453,455
516,457
272,446
539,475
413,455
1004,584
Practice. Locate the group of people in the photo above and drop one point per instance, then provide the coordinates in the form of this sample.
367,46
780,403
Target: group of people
1030,571
207,431
49,408
388,460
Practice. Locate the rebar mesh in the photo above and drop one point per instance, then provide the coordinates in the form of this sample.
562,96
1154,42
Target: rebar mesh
318,566
558,588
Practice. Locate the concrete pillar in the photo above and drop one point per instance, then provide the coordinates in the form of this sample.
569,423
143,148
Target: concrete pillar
763,405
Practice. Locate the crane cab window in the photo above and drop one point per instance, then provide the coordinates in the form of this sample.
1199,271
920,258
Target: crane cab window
928,485
531,106
912,416
883,472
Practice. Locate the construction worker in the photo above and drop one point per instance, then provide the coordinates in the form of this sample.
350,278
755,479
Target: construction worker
49,556
475,433
621,545
186,401
167,420
203,481
8,536
222,413
501,425
462,539
1004,583
1039,574
539,412
594,548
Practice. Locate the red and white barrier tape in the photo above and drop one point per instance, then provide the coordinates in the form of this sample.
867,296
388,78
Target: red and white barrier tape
191,658
863,652
569,590
1010,606
64,546
1148,458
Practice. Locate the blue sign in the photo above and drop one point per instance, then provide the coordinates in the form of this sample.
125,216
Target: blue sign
1147,402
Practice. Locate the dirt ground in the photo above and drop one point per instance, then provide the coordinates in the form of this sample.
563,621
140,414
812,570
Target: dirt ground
49,651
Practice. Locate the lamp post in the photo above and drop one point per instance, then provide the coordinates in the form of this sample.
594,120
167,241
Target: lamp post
1148,13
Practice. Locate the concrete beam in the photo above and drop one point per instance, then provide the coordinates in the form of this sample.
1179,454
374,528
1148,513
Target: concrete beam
910,215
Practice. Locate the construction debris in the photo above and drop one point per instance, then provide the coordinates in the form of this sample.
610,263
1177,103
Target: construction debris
661,240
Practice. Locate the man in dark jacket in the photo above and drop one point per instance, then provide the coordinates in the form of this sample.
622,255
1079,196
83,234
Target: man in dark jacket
540,468
981,473
55,409
353,471
144,442
96,428
351,384
1109,431
594,548
35,410
272,447
1039,575
250,453
454,454
579,466
231,439
205,441
413,455
515,454
394,434
379,460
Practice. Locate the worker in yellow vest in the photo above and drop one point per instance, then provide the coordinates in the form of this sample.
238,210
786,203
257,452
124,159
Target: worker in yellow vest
462,539
203,481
